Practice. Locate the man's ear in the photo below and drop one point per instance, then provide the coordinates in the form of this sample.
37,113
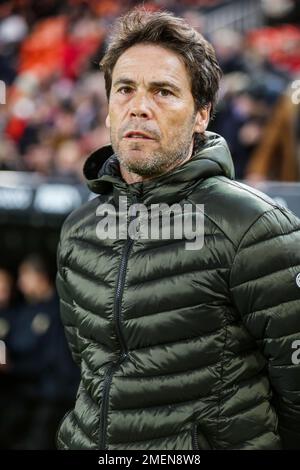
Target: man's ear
202,118
107,121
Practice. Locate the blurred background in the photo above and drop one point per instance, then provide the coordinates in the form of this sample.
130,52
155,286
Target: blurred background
52,113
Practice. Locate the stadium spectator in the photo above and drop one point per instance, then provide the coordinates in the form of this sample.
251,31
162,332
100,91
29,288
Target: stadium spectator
41,365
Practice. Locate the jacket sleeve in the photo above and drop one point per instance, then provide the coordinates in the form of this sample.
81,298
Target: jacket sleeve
265,287
67,311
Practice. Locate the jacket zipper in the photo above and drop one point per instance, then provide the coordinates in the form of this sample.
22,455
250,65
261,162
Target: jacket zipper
194,438
104,409
197,435
124,350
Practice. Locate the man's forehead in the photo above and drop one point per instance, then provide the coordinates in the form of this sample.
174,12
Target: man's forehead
150,62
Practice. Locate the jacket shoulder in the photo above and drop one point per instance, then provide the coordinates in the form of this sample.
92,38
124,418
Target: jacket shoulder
233,206
80,217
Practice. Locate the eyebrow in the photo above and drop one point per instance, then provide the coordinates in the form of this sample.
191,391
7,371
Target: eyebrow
155,84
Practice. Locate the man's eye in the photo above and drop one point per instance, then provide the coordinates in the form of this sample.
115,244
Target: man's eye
165,92
124,90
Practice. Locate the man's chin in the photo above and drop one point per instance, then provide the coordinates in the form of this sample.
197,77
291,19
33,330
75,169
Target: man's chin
140,166
134,158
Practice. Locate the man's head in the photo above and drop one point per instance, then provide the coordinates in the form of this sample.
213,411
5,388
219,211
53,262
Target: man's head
161,79
35,278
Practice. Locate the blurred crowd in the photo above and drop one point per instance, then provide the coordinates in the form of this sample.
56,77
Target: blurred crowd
55,99
38,378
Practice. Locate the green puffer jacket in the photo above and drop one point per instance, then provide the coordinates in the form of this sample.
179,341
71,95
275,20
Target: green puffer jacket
183,349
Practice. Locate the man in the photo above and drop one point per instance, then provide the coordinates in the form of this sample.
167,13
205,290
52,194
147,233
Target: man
45,377
179,348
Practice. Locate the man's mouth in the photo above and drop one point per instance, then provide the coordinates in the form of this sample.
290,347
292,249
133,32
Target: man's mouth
137,135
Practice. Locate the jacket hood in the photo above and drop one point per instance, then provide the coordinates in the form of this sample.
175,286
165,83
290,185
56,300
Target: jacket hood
211,158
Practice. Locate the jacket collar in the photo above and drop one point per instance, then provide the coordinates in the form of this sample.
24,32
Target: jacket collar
211,158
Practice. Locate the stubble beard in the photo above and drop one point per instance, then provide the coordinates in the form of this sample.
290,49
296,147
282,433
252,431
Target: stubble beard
157,161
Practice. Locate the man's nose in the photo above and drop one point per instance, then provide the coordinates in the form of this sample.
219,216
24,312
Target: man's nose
140,106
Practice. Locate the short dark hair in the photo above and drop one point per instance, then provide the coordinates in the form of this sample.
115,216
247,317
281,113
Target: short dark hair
165,29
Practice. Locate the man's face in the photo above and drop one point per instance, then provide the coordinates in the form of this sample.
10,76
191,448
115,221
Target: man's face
151,93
